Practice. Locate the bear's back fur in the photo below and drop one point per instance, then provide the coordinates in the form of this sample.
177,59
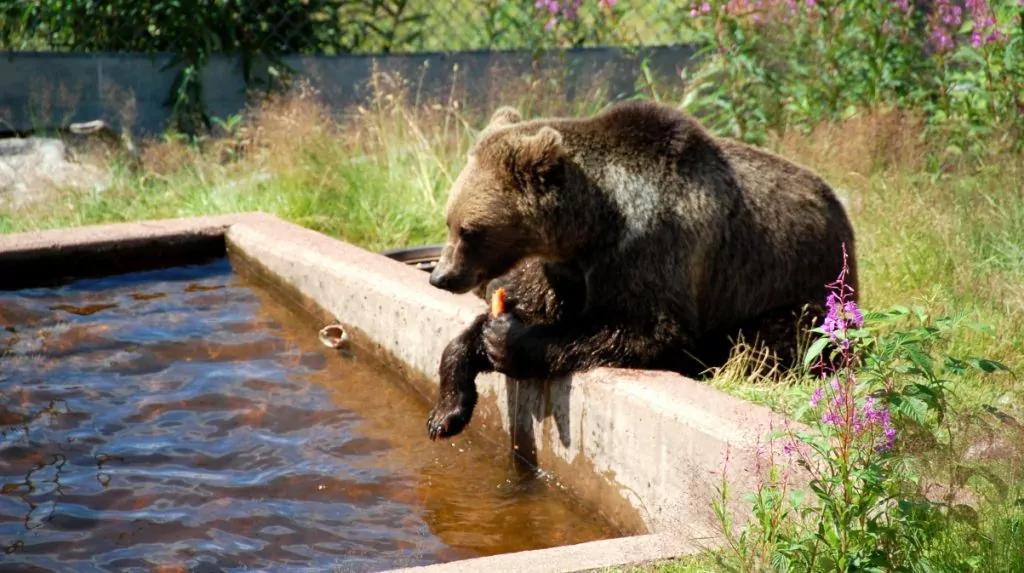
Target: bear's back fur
668,210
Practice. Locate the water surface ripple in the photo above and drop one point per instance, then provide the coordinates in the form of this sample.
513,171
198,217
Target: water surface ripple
183,420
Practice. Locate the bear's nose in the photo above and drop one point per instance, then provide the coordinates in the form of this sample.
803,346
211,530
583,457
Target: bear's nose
439,279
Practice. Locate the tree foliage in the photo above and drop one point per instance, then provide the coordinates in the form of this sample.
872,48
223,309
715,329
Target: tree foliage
193,30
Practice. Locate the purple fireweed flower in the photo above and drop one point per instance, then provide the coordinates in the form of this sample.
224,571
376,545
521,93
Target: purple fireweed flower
869,422
853,313
996,36
890,438
816,397
606,3
571,9
835,321
871,418
550,5
568,9
842,311
985,30
946,20
948,17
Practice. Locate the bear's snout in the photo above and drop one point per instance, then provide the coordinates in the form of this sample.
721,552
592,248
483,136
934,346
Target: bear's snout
440,278
458,281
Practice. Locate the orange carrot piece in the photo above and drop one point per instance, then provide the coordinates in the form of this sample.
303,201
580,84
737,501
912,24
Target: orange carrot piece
498,302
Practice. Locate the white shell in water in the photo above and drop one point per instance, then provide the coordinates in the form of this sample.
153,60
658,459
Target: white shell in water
333,336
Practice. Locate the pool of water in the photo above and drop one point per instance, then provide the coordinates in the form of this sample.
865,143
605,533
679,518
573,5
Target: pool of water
184,420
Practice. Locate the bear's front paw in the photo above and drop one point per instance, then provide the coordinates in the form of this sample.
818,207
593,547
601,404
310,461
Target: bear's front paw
495,337
450,415
502,337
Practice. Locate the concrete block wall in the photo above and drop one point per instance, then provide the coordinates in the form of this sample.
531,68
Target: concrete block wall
50,90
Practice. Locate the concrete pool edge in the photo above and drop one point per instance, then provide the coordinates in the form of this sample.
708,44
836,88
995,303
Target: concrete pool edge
646,449
592,556
33,258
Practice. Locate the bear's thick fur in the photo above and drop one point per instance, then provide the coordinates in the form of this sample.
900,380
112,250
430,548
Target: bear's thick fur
633,239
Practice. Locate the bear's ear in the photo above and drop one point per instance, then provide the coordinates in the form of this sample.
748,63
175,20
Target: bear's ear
541,152
504,115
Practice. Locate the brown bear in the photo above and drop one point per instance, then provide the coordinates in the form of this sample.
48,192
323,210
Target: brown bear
633,238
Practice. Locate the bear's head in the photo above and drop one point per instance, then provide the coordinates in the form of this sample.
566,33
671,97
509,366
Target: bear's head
500,206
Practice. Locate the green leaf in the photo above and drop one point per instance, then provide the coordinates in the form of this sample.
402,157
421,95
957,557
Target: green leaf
954,364
815,350
920,359
910,407
986,365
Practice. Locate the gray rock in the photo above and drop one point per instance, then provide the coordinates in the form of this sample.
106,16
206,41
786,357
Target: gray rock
34,168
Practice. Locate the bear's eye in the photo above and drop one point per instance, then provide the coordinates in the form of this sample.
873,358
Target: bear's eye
469,234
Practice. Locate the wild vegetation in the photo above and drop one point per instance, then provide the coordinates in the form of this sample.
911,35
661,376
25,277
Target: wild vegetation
260,33
909,456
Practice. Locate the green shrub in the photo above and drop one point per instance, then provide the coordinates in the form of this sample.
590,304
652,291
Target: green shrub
777,65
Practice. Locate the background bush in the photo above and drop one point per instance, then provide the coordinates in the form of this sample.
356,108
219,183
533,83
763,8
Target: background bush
772,66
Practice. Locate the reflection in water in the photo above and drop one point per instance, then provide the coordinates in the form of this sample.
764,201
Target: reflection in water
181,420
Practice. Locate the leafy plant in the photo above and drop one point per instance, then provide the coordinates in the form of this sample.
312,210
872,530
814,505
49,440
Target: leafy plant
768,66
868,510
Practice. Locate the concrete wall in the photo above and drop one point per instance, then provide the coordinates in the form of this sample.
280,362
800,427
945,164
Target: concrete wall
47,90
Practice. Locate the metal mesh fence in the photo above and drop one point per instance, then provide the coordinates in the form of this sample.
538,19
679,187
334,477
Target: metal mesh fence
279,27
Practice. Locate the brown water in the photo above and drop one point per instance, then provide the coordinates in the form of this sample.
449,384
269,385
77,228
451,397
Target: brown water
182,420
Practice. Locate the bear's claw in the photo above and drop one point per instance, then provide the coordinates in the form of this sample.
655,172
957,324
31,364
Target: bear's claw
446,422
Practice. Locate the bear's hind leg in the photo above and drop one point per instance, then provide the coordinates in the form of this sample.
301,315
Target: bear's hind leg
778,338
